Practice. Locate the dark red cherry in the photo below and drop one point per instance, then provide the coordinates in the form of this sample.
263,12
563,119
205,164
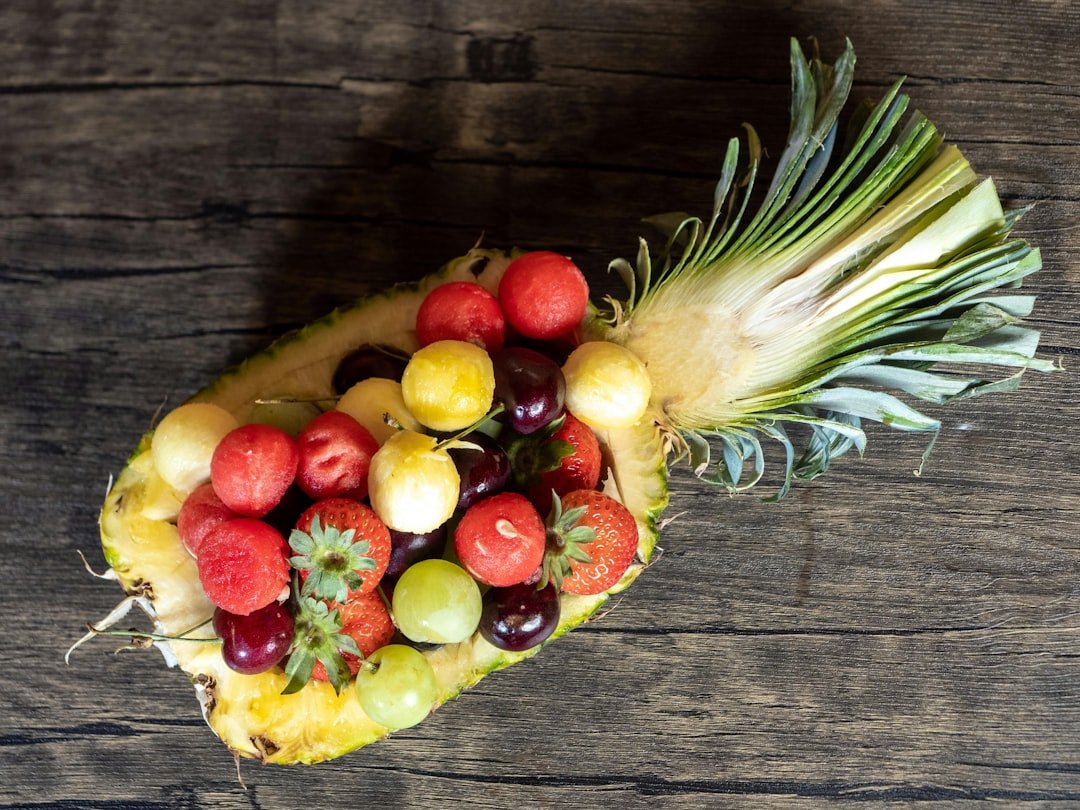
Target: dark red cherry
519,617
530,385
482,472
365,362
257,642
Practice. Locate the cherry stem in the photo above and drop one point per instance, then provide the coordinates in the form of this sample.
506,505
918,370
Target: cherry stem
458,436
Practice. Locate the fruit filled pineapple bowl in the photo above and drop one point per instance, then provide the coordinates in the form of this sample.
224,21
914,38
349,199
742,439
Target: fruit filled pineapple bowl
428,485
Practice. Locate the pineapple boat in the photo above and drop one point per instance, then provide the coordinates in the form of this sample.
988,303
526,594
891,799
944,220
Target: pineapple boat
343,533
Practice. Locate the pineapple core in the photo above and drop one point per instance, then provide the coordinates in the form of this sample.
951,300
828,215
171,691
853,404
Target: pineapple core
699,358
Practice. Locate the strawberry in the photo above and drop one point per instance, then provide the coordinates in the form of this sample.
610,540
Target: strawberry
461,310
544,295
367,621
252,467
201,512
500,540
592,539
579,469
342,549
242,565
335,454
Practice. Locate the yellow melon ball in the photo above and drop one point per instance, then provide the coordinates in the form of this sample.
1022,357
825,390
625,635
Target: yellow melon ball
448,385
413,485
184,443
370,399
607,385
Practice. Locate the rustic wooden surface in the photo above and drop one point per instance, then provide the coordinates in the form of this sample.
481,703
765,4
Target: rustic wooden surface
181,182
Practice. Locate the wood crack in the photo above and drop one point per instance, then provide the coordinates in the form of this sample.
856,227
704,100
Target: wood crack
22,275
648,785
791,631
656,74
91,804
61,734
949,80
239,213
46,88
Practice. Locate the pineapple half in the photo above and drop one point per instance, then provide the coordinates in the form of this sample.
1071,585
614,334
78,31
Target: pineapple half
863,269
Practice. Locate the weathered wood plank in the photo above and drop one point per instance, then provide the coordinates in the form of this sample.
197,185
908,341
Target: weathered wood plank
181,183
611,124
241,42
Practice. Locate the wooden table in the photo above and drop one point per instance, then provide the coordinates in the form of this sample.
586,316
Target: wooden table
182,182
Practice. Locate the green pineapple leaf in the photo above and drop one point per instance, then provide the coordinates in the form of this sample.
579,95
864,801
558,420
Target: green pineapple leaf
866,269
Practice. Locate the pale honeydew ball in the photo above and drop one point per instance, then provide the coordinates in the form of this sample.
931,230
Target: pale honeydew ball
607,386
448,385
184,443
369,399
412,485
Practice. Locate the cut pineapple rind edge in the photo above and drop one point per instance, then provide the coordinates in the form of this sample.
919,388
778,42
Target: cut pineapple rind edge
247,711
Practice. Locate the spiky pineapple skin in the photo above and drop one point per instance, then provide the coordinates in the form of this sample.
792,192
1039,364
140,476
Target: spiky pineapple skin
247,711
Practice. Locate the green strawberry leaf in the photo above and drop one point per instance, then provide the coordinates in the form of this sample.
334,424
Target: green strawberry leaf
331,560
337,669
301,665
565,540
317,637
552,453
301,542
532,456
347,644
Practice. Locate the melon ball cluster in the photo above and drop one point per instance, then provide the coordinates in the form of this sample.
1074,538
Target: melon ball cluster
452,491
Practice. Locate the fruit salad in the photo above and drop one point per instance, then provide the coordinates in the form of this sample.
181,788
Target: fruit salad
448,492
428,485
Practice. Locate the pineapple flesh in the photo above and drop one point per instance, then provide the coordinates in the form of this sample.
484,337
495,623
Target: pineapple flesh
863,269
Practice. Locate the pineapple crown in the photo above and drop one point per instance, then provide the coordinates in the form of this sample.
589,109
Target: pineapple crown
872,261
332,560
565,541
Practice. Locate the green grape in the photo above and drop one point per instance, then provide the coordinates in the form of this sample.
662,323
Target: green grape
437,602
400,691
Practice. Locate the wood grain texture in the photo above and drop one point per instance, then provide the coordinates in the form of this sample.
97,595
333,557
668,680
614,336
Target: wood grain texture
180,183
